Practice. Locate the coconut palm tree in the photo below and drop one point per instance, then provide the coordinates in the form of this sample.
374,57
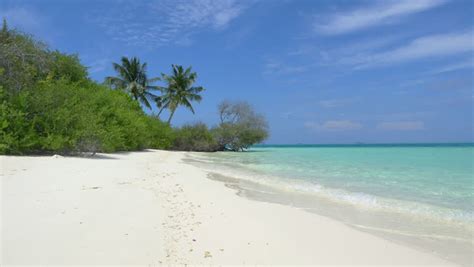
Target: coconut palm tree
132,78
179,90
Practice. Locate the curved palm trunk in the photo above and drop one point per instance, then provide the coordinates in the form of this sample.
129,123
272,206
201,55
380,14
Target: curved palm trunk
171,116
159,112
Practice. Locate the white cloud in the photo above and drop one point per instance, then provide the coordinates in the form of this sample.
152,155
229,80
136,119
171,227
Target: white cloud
167,21
371,16
274,67
424,47
401,126
404,116
333,125
453,67
287,115
335,103
451,84
99,65
226,15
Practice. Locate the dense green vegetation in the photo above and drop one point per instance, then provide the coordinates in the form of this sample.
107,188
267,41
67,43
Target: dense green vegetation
194,137
239,128
48,104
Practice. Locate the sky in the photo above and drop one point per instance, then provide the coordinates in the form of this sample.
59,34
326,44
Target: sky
321,71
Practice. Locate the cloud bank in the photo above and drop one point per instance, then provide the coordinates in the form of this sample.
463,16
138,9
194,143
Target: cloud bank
333,125
372,16
158,23
401,126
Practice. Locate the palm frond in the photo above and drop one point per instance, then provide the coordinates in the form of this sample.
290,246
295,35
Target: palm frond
132,78
187,104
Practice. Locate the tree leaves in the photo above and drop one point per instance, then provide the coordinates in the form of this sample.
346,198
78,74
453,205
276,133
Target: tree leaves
179,90
240,126
132,79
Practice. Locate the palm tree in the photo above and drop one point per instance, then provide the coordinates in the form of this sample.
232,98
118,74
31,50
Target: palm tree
132,79
179,90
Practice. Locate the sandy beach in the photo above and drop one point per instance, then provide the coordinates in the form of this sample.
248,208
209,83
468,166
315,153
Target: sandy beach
153,208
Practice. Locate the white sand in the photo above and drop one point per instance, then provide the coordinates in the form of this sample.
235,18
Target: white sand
151,208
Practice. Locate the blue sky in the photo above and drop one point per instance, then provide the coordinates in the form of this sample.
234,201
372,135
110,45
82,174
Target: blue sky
321,71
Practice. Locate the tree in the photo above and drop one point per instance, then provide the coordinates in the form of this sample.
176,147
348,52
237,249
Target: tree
67,67
49,105
4,26
240,126
23,60
179,90
132,78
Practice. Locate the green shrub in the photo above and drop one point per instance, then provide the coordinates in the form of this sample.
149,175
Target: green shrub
196,137
240,127
67,67
160,134
16,132
49,105
64,117
24,61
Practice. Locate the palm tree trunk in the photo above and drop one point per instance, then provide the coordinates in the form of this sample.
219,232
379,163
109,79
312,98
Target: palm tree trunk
159,112
171,116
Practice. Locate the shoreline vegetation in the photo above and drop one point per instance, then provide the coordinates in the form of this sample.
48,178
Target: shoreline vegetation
49,105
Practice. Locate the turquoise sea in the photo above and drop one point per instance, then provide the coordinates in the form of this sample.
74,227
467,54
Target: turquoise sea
420,191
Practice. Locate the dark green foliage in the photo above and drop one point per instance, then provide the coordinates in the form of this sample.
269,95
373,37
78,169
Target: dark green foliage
159,134
196,137
179,90
132,79
25,61
64,117
67,67
240,126
16,133
48,105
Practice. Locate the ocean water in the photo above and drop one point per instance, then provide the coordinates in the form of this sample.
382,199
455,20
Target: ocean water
423,191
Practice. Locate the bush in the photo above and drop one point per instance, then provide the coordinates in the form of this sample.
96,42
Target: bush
24,61
16,132
195,137
49,105
159,134
64,117
240,127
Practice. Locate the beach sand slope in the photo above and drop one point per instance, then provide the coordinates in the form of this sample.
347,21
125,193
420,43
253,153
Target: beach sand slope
152,208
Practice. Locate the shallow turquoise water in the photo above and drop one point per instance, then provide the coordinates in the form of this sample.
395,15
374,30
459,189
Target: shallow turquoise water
430,180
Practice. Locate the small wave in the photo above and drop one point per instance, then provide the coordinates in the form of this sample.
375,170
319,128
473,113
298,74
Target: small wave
358,199
417,235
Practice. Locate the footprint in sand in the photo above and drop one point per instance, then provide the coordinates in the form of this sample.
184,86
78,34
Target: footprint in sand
91,188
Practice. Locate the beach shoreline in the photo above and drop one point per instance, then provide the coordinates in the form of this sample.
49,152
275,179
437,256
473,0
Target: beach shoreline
424,234
153,208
